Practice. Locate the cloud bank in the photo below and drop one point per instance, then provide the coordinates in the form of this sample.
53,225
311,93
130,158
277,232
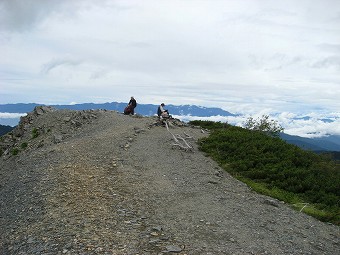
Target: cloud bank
248,56
310,126
8,115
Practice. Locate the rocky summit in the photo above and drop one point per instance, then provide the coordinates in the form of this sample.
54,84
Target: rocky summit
100,182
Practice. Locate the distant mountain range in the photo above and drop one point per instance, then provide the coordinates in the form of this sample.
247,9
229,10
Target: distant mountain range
143,109
5,129
326,143
329,143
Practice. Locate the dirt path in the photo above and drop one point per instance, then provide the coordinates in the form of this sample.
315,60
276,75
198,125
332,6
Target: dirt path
117,186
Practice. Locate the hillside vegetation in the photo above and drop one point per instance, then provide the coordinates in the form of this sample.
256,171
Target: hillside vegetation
308,181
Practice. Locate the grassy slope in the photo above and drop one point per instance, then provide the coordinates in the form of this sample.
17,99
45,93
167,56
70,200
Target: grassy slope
273,167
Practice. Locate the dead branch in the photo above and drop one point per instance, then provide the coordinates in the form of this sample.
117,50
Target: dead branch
184,141
179,140
188,136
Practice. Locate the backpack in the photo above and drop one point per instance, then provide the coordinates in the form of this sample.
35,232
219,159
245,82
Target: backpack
128,110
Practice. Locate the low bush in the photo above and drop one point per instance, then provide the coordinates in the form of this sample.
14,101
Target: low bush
273,167
35,133
15,151
24,145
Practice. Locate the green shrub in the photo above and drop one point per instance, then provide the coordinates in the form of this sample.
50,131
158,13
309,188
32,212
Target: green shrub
209,124
15,151
24,145
35,133
265,125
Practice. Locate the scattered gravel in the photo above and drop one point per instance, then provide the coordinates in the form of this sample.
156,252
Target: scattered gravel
99,182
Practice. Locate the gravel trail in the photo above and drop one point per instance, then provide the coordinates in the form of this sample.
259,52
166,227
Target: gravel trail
99,182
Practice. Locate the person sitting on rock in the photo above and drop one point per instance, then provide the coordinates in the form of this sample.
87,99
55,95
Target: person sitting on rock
161,112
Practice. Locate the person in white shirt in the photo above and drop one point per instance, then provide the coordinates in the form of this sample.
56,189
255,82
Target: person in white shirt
161,112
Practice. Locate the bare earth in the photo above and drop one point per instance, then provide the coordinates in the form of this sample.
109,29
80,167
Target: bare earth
99,182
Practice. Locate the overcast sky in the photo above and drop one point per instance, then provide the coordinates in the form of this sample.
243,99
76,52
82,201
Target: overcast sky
243,56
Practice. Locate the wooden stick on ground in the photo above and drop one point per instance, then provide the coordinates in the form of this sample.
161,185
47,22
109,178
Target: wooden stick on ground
180,141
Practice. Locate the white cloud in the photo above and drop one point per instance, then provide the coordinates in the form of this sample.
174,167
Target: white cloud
8,115
19,15
247,56
310,125
46,68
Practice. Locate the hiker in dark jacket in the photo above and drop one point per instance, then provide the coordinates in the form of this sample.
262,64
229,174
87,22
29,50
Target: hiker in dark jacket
132,105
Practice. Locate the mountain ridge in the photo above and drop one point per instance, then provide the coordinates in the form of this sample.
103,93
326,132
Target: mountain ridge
330,143
97,181
5,129
143,109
